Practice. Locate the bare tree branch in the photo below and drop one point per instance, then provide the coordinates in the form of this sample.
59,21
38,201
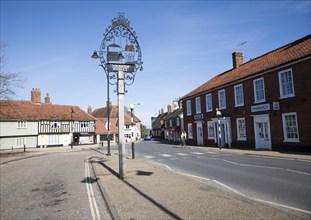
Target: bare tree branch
9,82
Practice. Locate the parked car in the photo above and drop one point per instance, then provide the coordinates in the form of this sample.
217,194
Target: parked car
147,138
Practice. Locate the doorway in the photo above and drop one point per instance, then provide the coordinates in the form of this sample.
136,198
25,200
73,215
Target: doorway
199,133
222,136
262,132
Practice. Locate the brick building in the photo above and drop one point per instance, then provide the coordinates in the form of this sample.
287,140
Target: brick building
130,130
264,103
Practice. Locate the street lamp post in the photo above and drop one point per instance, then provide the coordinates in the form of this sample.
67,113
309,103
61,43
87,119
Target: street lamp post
132,106
120,66
218,114
108,117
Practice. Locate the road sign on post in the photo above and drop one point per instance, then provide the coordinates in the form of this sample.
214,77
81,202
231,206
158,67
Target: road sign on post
121,64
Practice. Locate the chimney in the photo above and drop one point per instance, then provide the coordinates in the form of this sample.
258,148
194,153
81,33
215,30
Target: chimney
36,95
237,59
89,110
162,111
47,99
169,109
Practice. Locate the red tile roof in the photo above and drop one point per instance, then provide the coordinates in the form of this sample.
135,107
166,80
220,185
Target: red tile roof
27,110
100,126
102,113
291,52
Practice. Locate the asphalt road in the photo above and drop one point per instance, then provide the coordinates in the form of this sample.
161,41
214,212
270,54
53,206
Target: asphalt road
54,186
278,181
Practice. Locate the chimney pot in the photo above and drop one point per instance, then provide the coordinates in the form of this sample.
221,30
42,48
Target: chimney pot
47,99
89,109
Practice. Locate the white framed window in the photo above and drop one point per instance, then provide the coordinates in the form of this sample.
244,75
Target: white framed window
178,121
190,133
286,83
210,130
238,95
241,129
222,99
22,124
198,105
188,103
209,104
53,139
290,127
259,90
20,141
55,124
171,123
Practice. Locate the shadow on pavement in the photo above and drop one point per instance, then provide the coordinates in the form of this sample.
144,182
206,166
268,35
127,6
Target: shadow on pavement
141,173
89,180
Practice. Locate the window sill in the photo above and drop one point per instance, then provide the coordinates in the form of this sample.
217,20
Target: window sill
289,96
260,101
292,141
241,105
241,139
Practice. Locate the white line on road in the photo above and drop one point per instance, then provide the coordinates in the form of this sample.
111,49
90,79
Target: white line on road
308,174
265,167
198,153
182,154
90,192
149,156
235,191
165,155
261,200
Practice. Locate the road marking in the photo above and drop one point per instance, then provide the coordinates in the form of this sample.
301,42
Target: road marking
261,200
182,154
90,192
197,177
198,153
174,158
149,156
265,167
235,191
228,161
165,155
308,174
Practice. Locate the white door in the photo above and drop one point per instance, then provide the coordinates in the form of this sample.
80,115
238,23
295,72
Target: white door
199,133
262,132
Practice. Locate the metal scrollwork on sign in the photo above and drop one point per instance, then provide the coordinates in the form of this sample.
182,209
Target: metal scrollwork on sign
120,46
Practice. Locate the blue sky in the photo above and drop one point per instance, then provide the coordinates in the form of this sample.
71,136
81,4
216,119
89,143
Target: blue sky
183,43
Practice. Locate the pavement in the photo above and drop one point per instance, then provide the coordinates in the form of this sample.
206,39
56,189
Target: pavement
151,191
